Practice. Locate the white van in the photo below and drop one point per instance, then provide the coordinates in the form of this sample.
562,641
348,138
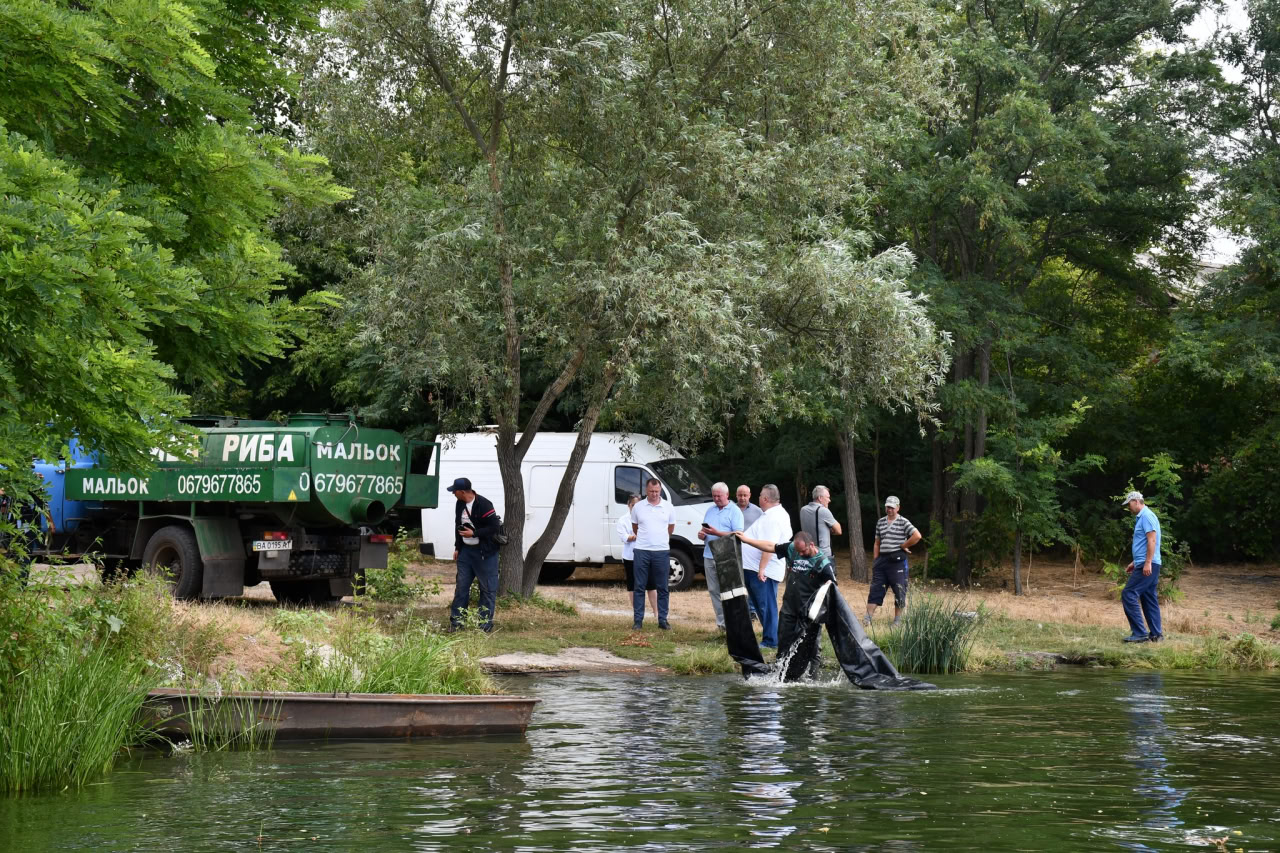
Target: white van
616,465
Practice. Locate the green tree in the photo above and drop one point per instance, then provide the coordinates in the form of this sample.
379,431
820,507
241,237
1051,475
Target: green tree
1070,158
137,189
577,207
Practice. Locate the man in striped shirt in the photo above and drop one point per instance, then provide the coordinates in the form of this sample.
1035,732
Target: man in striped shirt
894,537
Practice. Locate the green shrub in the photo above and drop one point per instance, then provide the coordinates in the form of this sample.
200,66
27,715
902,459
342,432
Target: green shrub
703,660
936,636
554,605
1275,622
391,584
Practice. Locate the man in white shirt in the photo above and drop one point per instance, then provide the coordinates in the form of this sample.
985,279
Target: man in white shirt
654,520
762,571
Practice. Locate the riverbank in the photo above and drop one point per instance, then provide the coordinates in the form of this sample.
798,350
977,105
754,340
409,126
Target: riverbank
1226,619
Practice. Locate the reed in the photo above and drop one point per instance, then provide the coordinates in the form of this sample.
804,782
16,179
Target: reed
225,724
936,636
65,719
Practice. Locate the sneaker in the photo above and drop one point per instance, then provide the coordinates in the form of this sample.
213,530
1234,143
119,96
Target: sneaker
896,622
1155,638
665,626
636,626
1136,638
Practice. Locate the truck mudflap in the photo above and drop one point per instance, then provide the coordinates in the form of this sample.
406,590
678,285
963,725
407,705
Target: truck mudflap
222,552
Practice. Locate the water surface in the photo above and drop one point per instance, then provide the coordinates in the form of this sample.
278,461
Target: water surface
1080,760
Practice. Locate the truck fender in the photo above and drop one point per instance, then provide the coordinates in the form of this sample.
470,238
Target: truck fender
221,550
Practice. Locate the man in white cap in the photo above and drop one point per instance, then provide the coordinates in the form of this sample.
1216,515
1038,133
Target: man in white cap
894,538
1140,599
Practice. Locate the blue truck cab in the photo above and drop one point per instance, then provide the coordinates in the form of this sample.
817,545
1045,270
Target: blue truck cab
67,514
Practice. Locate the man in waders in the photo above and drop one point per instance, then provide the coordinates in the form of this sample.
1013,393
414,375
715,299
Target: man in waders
894,536
809,569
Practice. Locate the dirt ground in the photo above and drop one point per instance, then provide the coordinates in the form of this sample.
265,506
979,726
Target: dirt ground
1224,598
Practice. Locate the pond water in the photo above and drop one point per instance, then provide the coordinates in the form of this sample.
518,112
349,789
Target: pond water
1078,760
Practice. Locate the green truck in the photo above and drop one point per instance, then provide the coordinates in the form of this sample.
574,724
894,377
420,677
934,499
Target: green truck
306,504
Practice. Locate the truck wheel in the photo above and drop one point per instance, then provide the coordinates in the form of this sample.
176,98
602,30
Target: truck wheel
555,572
173,553
681,577
302,592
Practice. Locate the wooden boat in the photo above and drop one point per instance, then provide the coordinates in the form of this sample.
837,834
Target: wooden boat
339,715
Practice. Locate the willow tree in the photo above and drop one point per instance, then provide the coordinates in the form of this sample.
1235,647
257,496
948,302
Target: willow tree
580,207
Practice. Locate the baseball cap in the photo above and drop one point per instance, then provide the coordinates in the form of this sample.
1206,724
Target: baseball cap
1133,496
460,483
891,501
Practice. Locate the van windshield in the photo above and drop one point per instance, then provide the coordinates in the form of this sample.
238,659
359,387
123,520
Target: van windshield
682,477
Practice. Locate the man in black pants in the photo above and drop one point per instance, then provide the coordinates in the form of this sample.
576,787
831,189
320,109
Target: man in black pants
476,522
894,537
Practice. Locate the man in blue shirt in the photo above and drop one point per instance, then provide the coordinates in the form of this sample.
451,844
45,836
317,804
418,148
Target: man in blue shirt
723,518
1140,598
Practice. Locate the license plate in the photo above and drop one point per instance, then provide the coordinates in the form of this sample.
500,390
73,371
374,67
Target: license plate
273,544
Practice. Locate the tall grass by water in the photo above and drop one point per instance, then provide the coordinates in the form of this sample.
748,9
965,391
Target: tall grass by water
73,677
936,636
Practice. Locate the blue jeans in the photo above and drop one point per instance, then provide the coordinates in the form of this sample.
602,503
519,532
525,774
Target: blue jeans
472,566
655,565
763,596
1140,601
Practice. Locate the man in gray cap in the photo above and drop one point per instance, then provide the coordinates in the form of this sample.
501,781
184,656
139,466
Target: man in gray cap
894,537
1140,599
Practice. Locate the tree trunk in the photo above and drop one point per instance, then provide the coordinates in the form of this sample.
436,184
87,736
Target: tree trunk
857,549
511,555
532,564
1017,562
875,469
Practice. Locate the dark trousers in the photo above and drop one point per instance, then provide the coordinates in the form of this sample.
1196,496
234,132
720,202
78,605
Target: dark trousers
473,566
1142,603
650,566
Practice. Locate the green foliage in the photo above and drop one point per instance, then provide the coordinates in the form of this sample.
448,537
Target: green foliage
703,660
231,723
1275,623
936,636
136,198
74,671
390,584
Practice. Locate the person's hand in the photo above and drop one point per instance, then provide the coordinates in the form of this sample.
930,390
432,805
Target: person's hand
702,534
906,550
741,534
1128,568
455,553
761,575
711,531
1146,570
631,538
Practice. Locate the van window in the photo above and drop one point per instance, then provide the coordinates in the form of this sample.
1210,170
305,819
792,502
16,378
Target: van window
628,481
690,485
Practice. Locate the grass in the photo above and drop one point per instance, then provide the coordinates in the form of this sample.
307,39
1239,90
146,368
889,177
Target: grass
65,719
936,636
222,724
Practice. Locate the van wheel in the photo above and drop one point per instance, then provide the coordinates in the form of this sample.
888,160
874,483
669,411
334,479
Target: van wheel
172,553
681,577
555,572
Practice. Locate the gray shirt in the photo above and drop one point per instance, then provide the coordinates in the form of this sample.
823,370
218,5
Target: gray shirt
750,514
817,520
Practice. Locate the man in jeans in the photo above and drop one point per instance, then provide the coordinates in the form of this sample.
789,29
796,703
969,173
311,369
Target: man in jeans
762,570
654,520
1140,598
476,522
722,519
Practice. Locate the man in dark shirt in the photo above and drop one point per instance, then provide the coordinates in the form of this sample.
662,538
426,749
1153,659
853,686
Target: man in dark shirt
476,522
808,569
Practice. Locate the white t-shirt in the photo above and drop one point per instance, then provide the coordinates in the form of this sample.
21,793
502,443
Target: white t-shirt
773,526
652,522
624,532
466,522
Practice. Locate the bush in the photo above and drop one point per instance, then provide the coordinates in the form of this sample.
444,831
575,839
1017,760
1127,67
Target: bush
936,636
391,584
